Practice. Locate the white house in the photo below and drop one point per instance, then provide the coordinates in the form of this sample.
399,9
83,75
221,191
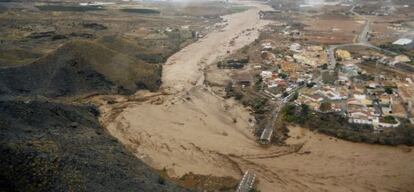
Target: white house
403,41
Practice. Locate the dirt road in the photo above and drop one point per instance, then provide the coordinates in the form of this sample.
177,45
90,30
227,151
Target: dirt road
186,128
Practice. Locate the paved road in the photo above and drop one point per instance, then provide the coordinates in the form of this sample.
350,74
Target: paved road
363,36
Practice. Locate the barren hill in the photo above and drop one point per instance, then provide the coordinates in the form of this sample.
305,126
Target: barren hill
80,67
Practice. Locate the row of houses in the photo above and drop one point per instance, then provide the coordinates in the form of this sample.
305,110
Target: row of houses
358,107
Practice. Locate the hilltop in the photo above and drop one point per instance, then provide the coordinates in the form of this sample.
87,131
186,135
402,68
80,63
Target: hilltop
80,67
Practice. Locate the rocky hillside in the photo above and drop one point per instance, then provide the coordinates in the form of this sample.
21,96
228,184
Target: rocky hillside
49,146
80,67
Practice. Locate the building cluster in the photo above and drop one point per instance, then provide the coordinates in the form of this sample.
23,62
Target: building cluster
365,98
277,83
366,103
386,60
379,101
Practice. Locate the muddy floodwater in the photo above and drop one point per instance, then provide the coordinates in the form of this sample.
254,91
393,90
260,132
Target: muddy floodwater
187,128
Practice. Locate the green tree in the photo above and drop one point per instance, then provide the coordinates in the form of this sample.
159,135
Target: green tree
388,90
304,110
295,96
283,75
288,113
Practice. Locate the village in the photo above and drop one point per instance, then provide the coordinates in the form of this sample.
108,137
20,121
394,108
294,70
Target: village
370,86
378,100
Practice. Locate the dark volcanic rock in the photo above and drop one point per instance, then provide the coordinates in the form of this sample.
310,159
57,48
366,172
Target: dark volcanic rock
47,146
95,26
38,35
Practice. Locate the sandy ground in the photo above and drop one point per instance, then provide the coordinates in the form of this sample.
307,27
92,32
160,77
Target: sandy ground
187,128
339,30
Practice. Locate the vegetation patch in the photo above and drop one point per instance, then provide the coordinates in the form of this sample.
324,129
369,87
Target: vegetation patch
141,11
389,120
233,63
338,126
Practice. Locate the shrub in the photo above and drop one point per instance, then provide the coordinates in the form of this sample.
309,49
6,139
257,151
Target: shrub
161,180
